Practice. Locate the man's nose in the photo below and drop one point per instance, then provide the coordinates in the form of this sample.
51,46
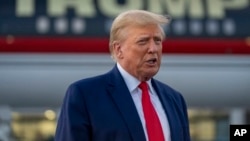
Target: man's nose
153,47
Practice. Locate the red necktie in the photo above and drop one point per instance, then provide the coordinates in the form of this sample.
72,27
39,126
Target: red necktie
153,124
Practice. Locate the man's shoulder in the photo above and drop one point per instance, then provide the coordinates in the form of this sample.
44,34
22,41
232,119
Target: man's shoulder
91,81
97,80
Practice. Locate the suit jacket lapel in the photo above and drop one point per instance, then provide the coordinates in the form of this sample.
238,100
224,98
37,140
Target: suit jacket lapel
124,102
168,105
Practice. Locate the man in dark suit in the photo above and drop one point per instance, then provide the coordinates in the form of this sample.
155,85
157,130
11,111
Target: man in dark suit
126,104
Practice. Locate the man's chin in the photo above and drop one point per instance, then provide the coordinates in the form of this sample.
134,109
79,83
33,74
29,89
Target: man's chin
151,73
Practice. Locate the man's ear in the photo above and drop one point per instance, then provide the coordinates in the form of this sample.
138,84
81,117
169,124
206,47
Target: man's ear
117,49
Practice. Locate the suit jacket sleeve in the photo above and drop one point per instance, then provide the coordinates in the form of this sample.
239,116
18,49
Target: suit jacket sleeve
73,122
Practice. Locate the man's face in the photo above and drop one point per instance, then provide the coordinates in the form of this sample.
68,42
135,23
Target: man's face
140,51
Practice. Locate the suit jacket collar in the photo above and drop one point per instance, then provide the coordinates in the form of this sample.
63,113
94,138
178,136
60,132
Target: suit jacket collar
124,102
168,105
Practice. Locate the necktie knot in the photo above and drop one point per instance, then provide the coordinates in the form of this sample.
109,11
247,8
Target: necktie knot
143,86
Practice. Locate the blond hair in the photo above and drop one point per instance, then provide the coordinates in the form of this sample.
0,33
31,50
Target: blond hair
134,18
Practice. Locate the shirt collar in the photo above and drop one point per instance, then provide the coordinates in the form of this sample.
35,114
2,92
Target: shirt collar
132,82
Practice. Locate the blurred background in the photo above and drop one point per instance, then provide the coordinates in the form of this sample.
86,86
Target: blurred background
46,45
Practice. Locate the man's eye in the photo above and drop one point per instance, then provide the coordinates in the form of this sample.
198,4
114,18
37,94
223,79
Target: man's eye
158,41
141,42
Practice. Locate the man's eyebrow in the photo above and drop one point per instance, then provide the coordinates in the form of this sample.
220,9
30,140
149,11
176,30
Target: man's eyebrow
157,37
143,37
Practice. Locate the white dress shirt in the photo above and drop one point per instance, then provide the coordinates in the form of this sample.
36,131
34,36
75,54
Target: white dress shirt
136,93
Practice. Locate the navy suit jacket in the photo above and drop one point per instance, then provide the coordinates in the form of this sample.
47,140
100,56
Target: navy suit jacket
101,109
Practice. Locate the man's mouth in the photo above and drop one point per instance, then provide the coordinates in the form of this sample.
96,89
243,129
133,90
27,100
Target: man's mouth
152,61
